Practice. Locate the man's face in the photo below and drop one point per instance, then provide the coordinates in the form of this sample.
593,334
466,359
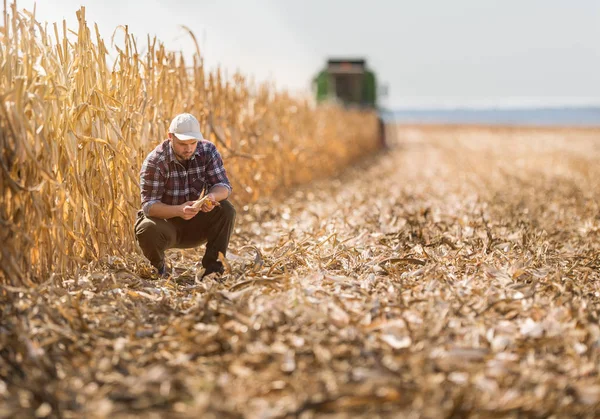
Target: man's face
183,149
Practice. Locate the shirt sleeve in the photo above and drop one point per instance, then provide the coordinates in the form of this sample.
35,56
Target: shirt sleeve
215,171
152,184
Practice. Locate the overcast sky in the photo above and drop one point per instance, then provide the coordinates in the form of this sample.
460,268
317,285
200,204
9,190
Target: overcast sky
429,52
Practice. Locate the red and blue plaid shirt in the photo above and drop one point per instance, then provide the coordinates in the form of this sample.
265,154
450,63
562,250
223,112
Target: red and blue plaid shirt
164,179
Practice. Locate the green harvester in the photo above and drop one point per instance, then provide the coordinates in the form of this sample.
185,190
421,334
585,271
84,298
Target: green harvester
349,83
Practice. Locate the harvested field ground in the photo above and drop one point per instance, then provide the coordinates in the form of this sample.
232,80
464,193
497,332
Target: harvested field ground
456,275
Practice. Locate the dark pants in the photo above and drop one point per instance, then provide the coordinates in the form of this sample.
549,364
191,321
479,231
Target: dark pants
214,228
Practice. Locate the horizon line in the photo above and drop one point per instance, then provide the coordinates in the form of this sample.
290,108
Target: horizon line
429,103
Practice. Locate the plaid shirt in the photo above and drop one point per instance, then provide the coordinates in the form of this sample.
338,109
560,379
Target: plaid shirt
164,179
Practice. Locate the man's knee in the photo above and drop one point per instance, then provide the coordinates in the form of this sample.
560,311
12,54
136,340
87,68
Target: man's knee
228,209
146,230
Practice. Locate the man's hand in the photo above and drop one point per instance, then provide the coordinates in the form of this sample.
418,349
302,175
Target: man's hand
187,211
210,203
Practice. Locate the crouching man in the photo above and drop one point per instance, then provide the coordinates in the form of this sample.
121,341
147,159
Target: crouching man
172,177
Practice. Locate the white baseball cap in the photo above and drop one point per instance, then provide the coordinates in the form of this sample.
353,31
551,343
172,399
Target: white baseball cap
186,127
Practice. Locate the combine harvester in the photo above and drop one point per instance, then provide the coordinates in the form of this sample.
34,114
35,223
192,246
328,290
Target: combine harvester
350,83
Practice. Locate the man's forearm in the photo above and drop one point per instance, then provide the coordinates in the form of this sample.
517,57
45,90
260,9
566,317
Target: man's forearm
160,210
220,192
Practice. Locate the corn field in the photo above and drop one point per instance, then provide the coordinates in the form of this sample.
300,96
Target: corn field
75,129
456,274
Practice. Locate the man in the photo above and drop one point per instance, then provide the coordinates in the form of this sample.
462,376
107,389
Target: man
172,177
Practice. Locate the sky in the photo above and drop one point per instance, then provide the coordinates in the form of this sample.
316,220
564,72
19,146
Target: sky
429,53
